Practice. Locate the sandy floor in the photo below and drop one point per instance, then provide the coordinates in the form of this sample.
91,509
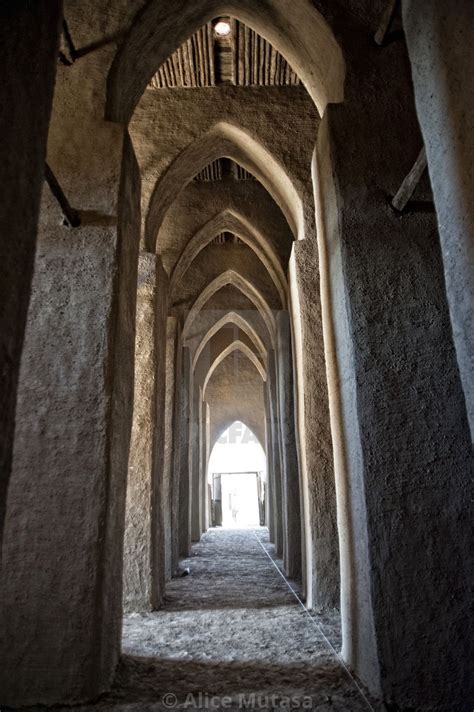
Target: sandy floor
230,636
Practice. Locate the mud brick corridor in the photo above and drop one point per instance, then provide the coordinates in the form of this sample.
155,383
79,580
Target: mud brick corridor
236,354
233,632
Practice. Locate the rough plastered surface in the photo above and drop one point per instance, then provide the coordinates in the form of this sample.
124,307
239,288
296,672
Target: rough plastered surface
24,134
199,202
283,121
445,111
235,392
407,434
214,260
230,628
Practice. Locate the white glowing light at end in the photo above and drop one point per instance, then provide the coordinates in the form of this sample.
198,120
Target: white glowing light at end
222,28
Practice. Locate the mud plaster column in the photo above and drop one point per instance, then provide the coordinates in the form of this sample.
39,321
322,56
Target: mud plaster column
290,476
208,455
67,492
202,461
315,446
272,387
195,459
441,50
168,434
204,448
405,433
269,497
143,555
29,39
185,461
179,451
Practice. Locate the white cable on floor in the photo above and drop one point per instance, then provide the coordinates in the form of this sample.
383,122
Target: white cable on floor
318,626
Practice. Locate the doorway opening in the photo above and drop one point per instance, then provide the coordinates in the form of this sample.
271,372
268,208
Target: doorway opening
237,475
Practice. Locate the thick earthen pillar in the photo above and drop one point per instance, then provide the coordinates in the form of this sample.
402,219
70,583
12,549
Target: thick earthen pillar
66,502
318,490
269,491
290,475
205,448
143,576
185,461
403,455
29,40
169,412
195,459
272,387
202,461
179,452
441,51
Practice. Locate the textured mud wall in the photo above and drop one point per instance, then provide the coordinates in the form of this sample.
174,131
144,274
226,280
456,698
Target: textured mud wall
200,201
26,30
184,469
441,52
318,466
214,260
168,438
75,404
157,539
283,121
143,557
406,431
195,456
290,474
275,474
235,392
179,450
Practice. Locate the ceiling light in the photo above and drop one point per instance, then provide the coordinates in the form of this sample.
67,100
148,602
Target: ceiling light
222,28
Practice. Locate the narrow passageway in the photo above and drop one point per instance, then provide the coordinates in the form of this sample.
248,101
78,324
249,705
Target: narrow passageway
231,635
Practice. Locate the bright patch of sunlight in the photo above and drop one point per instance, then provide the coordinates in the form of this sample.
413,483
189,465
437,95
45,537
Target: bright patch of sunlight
237,475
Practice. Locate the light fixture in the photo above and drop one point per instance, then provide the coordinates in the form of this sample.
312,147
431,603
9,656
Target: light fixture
222,28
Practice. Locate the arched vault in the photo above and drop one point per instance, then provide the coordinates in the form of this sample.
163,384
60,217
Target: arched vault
296,29
242,324
232,221
230,141
225,424
231,277
234,346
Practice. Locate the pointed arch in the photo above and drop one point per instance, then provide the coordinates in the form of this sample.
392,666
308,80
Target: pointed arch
232,221
224,140
234,346
242,324
296,29
233,278
226,424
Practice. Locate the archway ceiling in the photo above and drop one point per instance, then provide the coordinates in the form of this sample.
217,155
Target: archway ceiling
176,134
217,308
237,231
237,280
243,58
236,392
220,341
236,324
231,354
200,202
218,429
217,258
296,29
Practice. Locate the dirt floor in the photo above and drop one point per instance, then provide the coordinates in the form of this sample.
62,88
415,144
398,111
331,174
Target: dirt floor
231,635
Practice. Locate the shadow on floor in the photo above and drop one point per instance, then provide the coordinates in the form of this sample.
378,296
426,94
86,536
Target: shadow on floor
148,680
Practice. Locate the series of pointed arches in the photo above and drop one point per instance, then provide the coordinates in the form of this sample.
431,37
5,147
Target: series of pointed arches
206,315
